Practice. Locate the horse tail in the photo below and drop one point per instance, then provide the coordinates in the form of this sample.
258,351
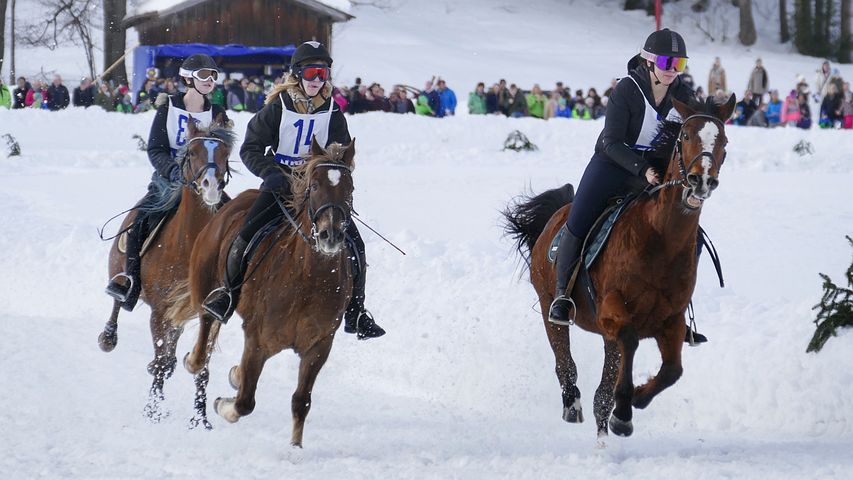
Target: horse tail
180,309
526,217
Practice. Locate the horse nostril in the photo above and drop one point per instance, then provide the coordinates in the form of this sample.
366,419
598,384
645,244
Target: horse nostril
713,183
324,235
693,179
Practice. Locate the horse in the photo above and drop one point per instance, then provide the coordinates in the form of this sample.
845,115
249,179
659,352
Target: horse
644,277
204,164
296,288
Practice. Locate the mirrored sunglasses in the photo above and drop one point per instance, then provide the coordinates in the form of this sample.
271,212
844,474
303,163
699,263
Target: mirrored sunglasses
665,62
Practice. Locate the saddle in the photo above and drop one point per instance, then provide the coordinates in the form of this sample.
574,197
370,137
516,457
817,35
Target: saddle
150,235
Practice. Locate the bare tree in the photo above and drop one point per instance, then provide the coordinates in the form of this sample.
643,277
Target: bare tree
64,21
3,32
845,44
747,35
784,33
114,40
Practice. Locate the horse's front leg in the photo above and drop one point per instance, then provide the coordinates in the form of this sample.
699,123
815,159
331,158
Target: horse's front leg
248,373
604,393
615,323
670,343
310,364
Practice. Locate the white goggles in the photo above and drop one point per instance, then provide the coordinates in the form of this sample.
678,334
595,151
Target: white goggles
204,74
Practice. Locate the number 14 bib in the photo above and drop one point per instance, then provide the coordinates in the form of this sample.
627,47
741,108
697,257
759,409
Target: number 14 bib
296,131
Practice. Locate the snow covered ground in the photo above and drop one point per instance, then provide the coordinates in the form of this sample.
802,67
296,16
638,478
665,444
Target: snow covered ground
463,384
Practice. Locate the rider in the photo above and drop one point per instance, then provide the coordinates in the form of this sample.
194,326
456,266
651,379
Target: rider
168,134
637,104
274,143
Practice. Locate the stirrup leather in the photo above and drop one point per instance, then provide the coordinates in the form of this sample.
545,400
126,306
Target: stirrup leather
569,302
120,296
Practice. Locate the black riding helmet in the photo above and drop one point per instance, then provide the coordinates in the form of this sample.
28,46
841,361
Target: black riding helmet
310,51
196,62
665,42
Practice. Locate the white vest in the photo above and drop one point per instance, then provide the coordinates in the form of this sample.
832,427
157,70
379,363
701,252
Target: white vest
296,131
649,130
176,124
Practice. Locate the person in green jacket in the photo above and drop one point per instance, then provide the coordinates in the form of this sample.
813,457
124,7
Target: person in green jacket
104,98
477,100
422,107
583,110
536,102
5,95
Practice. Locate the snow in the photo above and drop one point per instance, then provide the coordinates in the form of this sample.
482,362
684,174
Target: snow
462,386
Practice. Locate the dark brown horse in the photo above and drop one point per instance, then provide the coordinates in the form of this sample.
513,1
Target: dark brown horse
294,296
644,278
204,162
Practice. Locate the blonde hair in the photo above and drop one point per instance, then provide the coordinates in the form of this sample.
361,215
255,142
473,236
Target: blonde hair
292,86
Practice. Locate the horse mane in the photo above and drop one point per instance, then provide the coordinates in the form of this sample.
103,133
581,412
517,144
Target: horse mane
300,175
668,130
167,194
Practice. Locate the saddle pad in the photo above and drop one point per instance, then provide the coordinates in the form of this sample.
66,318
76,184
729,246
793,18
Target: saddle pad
597,237
122,239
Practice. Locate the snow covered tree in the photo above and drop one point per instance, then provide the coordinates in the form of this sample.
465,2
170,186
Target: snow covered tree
835,309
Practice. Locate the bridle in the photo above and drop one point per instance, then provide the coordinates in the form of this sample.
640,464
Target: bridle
683,169
210,143
314,214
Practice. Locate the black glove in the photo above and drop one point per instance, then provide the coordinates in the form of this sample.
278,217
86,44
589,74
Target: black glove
277,182
175,175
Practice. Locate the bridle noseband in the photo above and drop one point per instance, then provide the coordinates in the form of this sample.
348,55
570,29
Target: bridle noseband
210,143
683,169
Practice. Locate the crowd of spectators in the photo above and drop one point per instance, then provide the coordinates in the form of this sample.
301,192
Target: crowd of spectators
759,105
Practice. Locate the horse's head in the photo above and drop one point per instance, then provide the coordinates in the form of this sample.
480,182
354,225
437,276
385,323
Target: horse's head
204,161
326,179
700,150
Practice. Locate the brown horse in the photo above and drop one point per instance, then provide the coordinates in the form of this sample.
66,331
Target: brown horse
204,163
294,295
644,277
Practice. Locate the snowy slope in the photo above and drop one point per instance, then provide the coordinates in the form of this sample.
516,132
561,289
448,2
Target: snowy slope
463,384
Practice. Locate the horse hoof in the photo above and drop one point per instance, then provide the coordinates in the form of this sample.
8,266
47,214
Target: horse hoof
225,408
232,378
573,414
107,341
199,421
187,365
621,428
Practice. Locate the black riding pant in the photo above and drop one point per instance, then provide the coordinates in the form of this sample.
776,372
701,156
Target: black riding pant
601,181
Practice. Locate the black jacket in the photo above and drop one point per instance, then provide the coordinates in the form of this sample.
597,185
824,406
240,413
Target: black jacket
84,97
624,118
261,140
159,149
58,97
20,96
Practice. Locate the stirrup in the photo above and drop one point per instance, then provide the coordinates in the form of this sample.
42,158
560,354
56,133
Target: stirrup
221,317
559,300
119,295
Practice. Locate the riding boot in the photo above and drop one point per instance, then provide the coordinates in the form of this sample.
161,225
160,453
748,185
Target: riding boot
562,311
127,293
222,302
356,319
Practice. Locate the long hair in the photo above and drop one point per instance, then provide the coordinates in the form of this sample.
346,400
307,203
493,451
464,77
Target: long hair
292,86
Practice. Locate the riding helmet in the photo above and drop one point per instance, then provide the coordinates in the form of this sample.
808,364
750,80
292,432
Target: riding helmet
665,42
310,51
195,62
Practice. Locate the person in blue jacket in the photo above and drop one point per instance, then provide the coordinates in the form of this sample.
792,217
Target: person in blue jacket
168,134
448,98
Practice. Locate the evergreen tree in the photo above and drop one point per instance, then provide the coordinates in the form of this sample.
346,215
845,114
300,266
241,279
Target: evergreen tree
835,309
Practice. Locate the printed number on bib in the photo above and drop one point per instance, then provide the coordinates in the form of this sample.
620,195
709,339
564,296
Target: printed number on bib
299,124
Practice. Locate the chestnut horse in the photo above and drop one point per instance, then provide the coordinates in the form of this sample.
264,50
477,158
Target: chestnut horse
644,277
204,163
296,288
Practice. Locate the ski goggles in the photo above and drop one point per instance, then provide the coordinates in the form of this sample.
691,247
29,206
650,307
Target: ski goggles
206,74
313,72
665,62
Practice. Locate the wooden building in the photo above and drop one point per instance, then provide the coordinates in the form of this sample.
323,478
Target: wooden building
245,22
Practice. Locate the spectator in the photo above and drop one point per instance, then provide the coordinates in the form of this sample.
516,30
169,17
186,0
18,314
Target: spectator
340,96
404,103
377,101
717,77
613,82
536,102
433,98
145,96
559,88
583,109
169,87
84,95
518,103
759,118
57,95
830,108
504,98
564,110
21,93
744,109
219,96
700,94
599,110
552,104
423,108
822,80
5,95
253,91
448,98
477,100
104,98
847,106
492,105
124,103
237,95
687,79
802,86
805,121
774,109
38,97
791,110
356,97
596,100
758,82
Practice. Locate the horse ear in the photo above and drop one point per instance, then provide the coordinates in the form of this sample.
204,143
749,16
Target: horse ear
191,128
682,108
727,108
316,149
349,154
220,119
